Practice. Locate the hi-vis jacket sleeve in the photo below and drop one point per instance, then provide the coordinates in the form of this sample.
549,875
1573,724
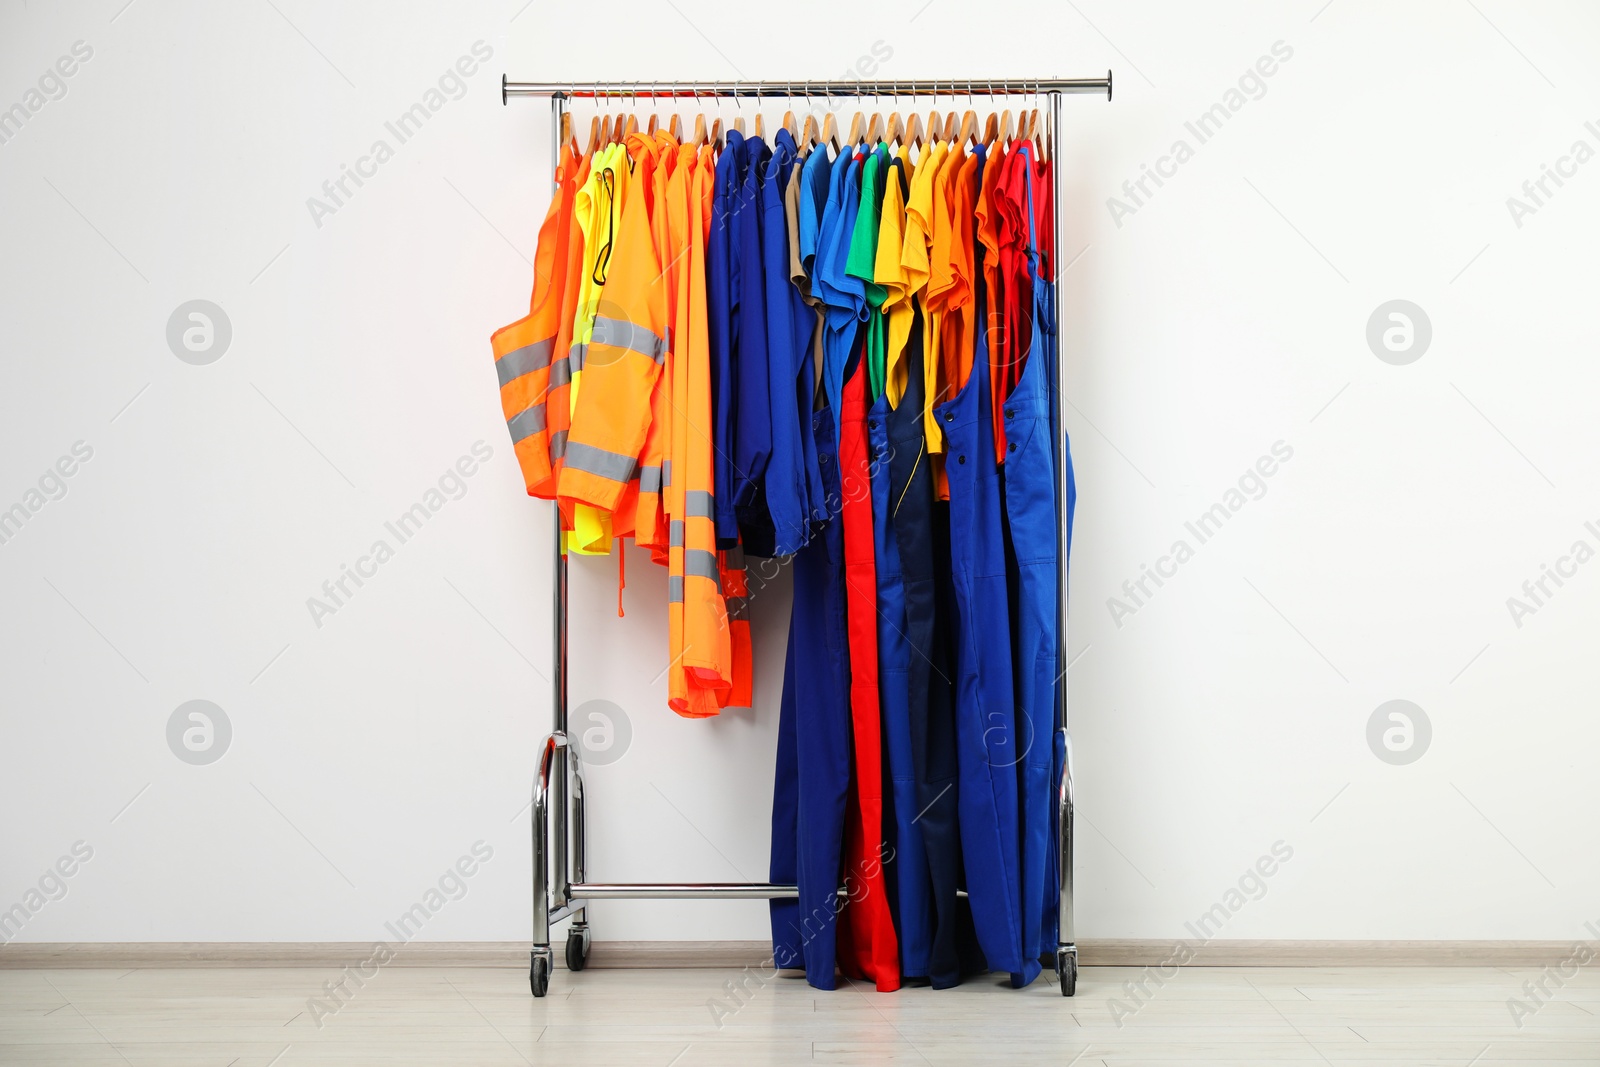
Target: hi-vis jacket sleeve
611,414
523,349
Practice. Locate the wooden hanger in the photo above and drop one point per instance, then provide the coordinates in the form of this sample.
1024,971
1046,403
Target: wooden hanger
991,129
913,134
1005,125
830,132
857,128
650,127
969,128
790,124
630,128
594,136
761,130
951,126
716,133
675,127
875,130
809,133
893,131
738,123
700,129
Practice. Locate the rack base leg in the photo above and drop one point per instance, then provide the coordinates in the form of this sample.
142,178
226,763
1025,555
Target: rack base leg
539,971
1067,969
578,944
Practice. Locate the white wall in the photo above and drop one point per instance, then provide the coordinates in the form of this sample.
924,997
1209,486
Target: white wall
1226,313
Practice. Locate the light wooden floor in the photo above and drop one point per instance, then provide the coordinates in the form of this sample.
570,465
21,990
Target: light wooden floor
484,1016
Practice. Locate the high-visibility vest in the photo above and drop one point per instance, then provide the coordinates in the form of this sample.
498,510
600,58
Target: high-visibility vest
668,219
523,350
627,347
597,211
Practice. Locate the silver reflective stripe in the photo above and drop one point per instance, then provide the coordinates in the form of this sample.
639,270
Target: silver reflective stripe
736,558
524,360
560,372
649,479
525,424
674,589
675,534
701,563
698,504
575,357
738,607
558,444
620,333
599,462
666,472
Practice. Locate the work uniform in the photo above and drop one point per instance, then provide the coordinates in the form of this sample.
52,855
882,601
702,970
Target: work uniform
988,751
701,668
814,740
523,349
788,332
868,946
1030,511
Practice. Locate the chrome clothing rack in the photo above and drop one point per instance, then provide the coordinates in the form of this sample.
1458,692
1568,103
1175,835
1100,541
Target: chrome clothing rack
558,815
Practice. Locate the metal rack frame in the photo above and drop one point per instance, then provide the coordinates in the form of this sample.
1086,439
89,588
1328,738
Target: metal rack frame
558,789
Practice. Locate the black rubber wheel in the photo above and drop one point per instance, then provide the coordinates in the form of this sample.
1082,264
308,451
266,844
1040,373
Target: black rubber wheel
577,950
539,976
1068,973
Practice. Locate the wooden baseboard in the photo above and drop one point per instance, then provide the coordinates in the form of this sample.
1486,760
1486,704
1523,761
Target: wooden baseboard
1107,952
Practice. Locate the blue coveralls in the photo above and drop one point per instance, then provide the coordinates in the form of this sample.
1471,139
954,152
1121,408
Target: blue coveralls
814,736
922,535
722,294
986,726
788,330
752,435
910,887
1028,476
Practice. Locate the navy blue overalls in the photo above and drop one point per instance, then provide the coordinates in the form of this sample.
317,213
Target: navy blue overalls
814,739
910,888
986,726
922,536
1028,477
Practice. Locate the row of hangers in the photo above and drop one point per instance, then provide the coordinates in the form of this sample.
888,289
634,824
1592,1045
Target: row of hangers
958,129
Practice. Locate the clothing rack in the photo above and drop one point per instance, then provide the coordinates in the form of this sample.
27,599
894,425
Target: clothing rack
558,788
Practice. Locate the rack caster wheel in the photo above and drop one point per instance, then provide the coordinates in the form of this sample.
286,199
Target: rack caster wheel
539,975
1067,972
577,949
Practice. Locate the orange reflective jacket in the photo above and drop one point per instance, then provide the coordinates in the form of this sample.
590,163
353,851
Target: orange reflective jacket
522,350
